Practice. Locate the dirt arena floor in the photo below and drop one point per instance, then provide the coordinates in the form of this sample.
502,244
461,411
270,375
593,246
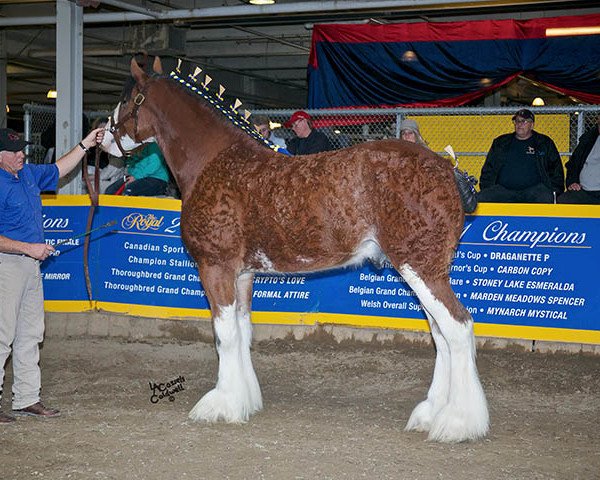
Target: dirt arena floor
331,412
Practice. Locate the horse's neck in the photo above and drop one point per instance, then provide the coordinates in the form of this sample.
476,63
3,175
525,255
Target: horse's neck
190,137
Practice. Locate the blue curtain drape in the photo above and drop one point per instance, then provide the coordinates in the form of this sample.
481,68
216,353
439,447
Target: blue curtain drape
445,64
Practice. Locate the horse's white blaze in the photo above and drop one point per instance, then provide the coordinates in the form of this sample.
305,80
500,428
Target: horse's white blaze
235,396
109,144
464,414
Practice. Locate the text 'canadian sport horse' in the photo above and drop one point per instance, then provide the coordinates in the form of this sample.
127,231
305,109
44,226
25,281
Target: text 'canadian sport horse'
246,210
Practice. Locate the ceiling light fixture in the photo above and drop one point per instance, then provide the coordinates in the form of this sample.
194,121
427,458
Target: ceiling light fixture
538,102
261,2
51,94
7,109
563,32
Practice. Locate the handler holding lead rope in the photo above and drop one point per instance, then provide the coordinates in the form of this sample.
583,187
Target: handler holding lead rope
22,248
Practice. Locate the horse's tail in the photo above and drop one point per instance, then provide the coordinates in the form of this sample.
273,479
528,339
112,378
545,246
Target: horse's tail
466,188
465,183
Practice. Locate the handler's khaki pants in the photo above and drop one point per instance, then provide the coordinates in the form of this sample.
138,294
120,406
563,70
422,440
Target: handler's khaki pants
21,325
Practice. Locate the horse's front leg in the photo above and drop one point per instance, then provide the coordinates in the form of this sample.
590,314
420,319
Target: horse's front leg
243,292
235,396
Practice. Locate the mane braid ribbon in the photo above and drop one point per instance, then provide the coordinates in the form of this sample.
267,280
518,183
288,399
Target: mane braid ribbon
229,113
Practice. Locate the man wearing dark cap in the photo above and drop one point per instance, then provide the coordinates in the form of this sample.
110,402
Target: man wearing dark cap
522,167
307,139
22,249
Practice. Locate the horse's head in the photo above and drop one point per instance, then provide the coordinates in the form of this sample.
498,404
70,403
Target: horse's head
126,131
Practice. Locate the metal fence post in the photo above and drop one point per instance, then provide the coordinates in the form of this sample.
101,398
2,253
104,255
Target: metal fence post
580,125
27,132
399,118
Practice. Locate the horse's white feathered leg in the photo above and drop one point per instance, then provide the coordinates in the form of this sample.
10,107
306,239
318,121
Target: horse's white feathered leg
437,396
230,399
465,415
244,304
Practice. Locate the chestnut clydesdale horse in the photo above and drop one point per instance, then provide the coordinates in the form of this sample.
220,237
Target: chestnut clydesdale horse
247,209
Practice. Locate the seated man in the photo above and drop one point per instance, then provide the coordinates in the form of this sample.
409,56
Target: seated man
523,167
583,170
307,139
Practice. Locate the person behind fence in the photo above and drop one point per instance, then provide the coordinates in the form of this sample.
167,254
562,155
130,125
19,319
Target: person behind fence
583,170
147,174
522,167
22,249
409,131
262,123
307,140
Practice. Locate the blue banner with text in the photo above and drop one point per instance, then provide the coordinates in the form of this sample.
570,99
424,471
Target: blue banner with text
528,270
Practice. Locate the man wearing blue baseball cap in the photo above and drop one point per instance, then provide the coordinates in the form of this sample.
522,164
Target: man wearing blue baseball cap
22,249
522,167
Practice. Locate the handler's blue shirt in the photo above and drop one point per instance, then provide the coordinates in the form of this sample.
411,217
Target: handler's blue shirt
20,202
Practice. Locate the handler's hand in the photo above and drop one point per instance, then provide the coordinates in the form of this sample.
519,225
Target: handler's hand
94,138
39,251
574,186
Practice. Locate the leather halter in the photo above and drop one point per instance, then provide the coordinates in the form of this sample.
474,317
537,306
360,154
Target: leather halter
133,113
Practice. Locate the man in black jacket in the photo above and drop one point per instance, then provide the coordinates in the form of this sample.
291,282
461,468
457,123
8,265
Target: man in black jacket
583,170
522,167
307,140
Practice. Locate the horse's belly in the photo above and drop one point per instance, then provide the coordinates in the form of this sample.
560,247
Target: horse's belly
314,261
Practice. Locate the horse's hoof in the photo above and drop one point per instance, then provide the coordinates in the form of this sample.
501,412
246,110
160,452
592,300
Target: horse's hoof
420,418
216,405
452,425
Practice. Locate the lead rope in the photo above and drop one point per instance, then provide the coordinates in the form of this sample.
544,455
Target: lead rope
93,193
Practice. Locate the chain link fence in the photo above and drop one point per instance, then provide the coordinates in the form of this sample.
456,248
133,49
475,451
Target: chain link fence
40,125
470,131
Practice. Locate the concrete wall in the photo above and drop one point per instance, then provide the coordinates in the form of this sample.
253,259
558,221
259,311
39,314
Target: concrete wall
106,324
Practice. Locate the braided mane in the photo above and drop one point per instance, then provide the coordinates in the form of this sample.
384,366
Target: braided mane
228,111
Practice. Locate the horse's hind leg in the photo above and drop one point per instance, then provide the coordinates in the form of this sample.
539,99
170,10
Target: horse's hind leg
437,396
234,398
464,416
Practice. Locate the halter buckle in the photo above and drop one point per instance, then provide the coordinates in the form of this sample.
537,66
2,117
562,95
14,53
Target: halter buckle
139,99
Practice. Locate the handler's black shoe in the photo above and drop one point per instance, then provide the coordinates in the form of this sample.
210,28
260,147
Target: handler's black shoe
6,418
37,410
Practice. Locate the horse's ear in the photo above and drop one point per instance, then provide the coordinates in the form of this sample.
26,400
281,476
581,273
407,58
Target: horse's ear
157,66
137,72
